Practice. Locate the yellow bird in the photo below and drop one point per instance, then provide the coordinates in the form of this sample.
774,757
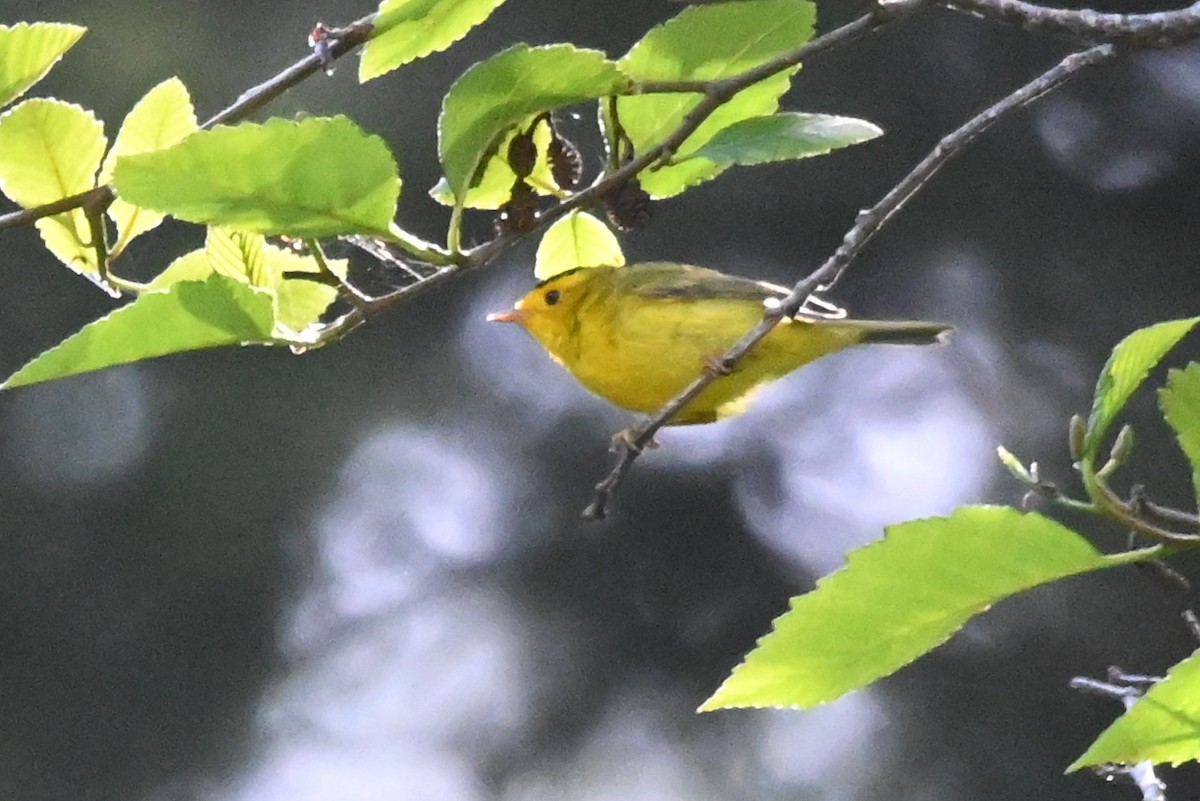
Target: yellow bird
637,335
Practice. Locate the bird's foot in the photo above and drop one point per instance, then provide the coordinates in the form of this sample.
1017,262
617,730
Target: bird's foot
715,364
626,439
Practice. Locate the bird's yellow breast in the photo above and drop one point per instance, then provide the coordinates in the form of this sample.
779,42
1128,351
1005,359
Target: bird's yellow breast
640,355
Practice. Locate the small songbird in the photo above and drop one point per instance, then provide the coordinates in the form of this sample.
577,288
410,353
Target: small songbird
639,334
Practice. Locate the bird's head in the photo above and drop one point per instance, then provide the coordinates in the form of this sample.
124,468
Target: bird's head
550,312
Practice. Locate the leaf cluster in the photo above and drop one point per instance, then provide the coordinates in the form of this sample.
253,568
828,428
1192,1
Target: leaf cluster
317,179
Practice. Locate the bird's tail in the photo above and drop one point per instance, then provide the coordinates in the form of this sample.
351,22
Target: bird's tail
901,332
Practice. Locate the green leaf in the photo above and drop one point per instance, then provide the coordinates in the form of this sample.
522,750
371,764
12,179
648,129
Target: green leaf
1180,403
248,258
784,136
28,51
162,118
1131,360
299,303
901,597
239,254
50,150
494,189
407,30
191,315
508,88
577,240
701,43
191,266
319,177
1163,726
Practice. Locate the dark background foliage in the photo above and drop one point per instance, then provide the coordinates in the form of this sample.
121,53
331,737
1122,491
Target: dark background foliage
360,574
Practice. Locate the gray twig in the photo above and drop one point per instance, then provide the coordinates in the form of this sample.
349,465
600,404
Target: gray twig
1159,29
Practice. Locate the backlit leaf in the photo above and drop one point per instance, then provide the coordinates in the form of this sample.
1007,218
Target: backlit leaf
319,177
28,51
406,30
705,42
512,86
190,315
577,240
163,117
50,150
784,136
1163,726
1131,360
901,597
1180,402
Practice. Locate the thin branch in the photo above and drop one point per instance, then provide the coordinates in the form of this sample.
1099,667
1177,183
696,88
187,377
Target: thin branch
866,226
1126,514
340,42
1140,502
1192,622
1158,29
26,216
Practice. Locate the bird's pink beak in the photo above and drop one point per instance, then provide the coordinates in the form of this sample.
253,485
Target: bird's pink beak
514,316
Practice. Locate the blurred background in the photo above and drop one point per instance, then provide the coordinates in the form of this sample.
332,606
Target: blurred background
360,574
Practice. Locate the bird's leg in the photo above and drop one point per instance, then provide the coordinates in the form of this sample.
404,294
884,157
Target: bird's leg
627,438
715,364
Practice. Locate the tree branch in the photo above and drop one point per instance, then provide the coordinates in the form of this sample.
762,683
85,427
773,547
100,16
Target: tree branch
1158,29
339,42
866,226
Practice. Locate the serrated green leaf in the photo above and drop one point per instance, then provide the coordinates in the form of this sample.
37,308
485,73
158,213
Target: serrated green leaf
701,43
299,303
163,117
406,30
49,150
319,177
508,88
1180,403
1131,360
901,597
495,187
784,136
191,315
28,51
577,240
1163,726
248,258
191,266
239,254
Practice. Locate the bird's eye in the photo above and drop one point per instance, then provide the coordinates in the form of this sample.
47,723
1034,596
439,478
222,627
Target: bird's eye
552,297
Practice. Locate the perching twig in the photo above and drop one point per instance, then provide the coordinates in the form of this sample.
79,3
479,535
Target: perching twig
1158,29
866,226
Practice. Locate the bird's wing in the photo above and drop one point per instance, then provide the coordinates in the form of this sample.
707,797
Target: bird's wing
668,281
